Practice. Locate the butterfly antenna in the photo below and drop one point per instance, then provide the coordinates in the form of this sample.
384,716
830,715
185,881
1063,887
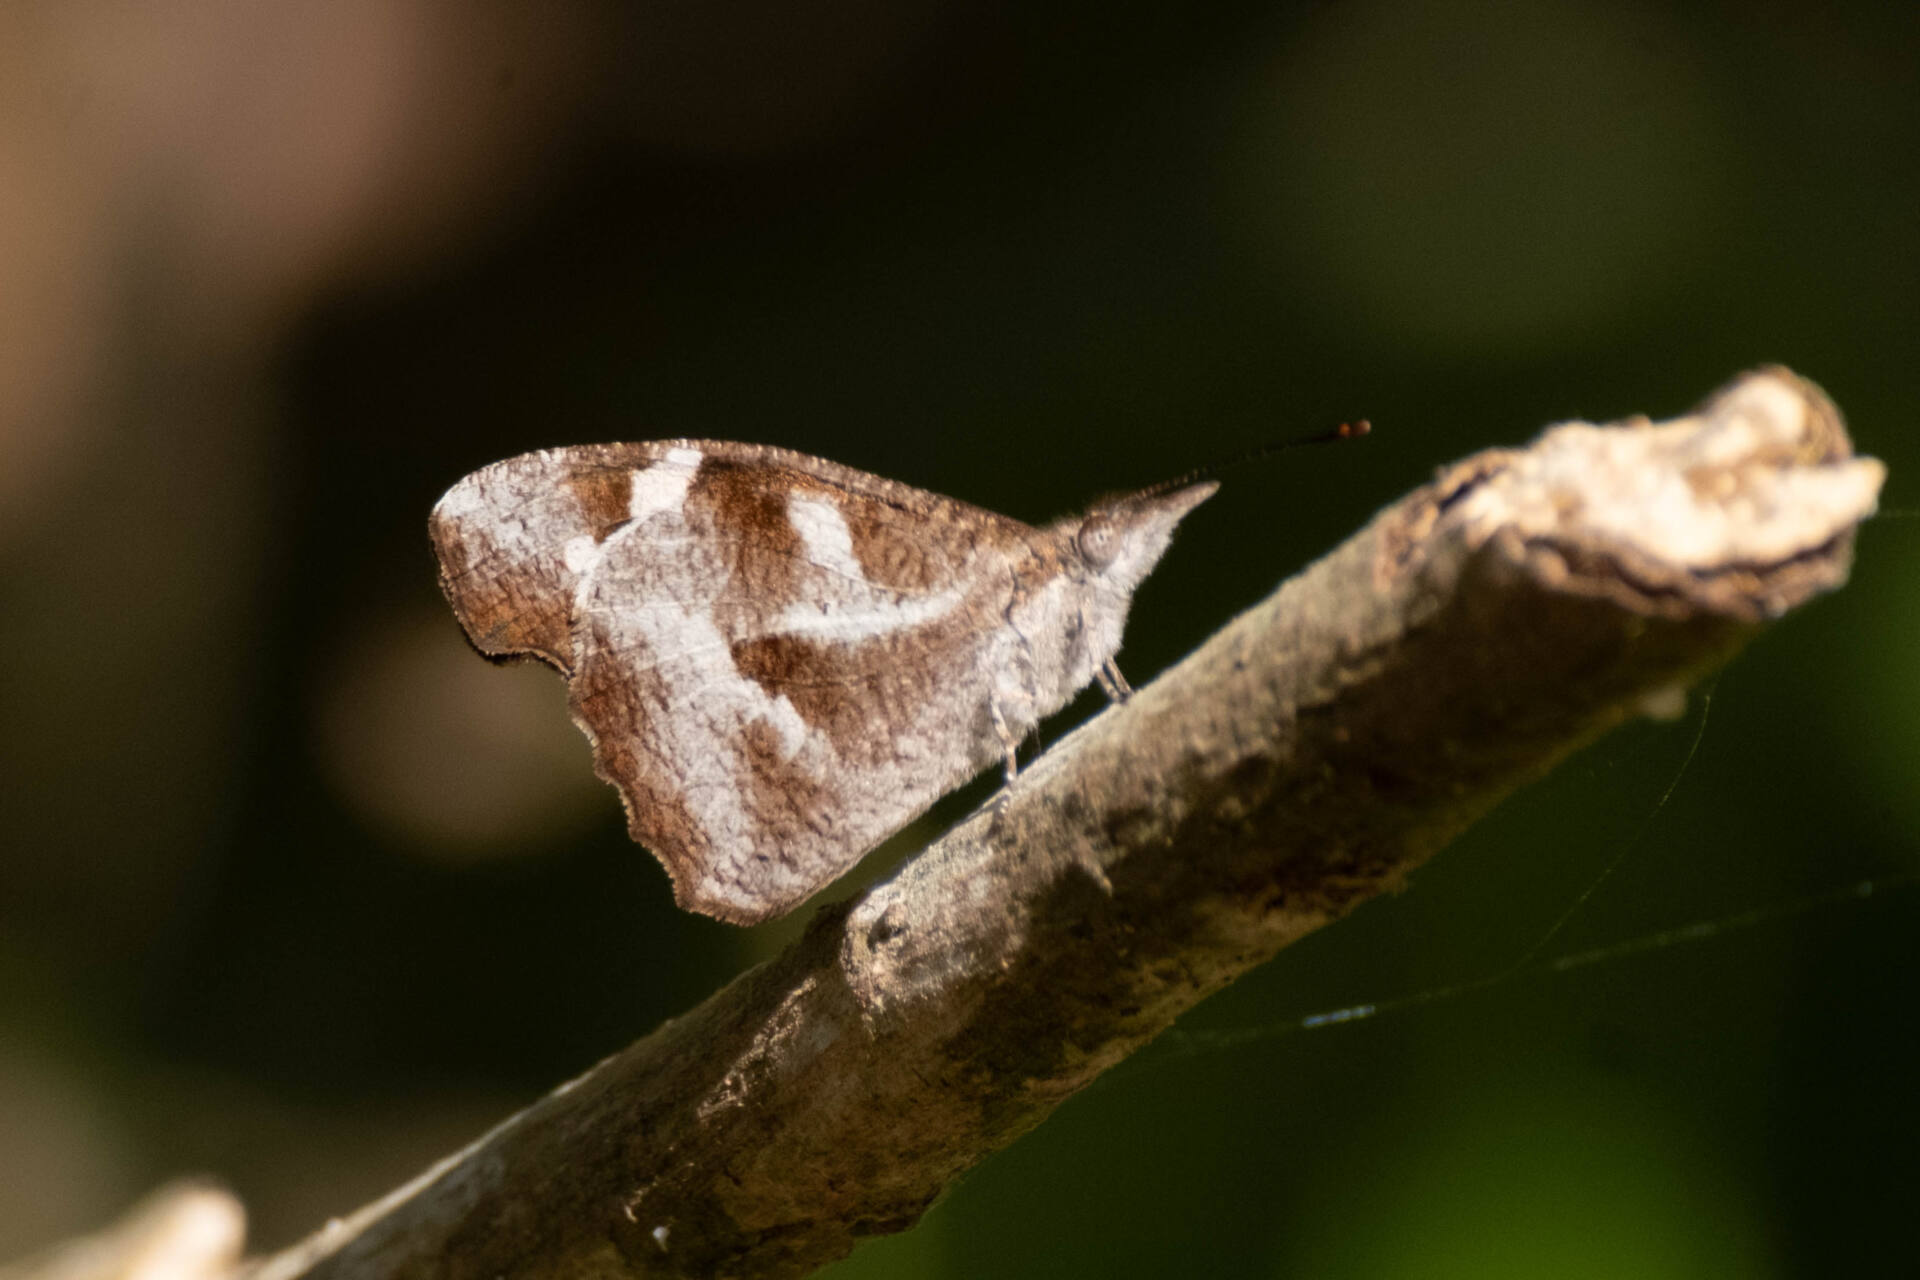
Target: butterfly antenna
1345,431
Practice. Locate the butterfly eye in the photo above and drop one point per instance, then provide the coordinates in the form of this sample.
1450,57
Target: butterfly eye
1098,541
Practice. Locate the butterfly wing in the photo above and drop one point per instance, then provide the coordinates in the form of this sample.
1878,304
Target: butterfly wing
780,661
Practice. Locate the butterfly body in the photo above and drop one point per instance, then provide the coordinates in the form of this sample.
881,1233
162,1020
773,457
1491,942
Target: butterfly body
781,661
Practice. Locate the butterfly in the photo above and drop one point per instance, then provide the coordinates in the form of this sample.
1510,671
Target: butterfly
781,661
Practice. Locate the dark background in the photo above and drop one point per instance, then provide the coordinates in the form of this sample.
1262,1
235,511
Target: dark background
299,893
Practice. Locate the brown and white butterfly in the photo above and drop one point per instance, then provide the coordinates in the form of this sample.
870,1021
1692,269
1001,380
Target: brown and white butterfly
781,661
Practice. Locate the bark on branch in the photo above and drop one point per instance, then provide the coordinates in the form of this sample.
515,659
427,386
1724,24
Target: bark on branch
1307,757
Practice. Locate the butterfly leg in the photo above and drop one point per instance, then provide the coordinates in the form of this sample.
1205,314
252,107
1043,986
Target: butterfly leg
1009,741
1112,683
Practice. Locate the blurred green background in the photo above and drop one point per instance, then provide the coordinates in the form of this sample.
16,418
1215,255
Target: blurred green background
298,893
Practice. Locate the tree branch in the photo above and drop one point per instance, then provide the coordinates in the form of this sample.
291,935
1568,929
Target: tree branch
183,1231
1307,757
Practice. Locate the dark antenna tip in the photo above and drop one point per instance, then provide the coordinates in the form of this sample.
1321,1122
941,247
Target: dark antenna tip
1345,431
